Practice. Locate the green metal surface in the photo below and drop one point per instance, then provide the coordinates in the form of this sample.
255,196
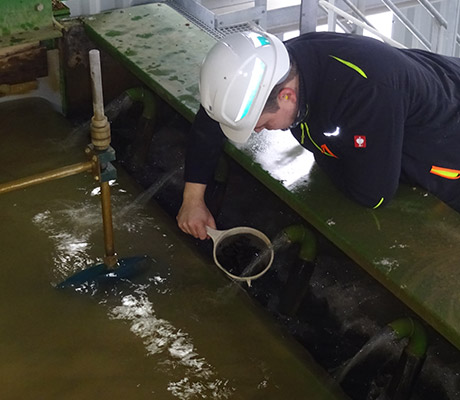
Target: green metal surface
410,246
26,21
158,45
60,10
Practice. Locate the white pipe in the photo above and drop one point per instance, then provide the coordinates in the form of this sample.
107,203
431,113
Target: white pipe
96,80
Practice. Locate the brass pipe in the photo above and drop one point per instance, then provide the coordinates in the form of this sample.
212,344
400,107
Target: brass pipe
110,259
46,176
100,138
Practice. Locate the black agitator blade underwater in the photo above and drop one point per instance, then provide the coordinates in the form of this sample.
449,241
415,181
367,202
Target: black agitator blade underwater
127,268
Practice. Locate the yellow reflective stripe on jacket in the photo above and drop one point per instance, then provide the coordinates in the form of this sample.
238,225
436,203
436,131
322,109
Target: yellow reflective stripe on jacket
379,203
445,172
325,150
351,65
302,137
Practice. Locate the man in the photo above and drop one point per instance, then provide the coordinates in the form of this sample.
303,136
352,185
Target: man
371,114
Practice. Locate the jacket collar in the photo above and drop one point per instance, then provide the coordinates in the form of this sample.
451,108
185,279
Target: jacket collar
302,108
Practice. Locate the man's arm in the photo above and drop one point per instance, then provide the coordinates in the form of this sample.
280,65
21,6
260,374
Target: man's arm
203,152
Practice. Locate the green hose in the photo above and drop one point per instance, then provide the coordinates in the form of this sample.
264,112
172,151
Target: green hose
412,329
146,97
305,237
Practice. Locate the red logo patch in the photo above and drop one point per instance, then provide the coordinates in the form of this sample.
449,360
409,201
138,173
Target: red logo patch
360,141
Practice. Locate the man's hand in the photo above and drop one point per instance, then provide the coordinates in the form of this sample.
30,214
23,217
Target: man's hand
194,215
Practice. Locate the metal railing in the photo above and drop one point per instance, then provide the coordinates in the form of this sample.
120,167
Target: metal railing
363,23
439,35
427,24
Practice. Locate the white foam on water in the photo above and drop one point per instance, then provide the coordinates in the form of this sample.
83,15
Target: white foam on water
161,337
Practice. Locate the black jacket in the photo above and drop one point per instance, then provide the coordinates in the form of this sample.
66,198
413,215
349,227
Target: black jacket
372,115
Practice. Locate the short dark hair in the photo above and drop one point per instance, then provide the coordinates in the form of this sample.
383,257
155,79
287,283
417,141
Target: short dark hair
271,105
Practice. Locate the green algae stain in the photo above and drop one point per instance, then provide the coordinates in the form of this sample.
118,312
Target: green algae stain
136,18
187,99
144,35
167,29
193,90
161,72
130,52
176,78
27,26
114,33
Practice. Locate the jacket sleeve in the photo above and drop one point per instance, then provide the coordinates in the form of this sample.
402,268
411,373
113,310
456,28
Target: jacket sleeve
368,146
204,147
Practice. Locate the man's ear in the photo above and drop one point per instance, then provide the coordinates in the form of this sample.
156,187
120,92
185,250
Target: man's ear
287,94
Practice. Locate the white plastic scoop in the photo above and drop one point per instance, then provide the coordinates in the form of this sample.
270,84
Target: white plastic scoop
253,240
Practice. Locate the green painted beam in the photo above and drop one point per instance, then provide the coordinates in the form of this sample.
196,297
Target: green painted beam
159,46
24,21
410,246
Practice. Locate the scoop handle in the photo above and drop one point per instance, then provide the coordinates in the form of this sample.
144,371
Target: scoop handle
214,234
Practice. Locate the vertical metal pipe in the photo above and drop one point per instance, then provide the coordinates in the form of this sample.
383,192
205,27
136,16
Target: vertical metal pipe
450,36
100,127
110,259
96,80
331,17
308,15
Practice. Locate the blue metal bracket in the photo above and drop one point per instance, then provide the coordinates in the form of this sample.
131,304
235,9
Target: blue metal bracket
103,170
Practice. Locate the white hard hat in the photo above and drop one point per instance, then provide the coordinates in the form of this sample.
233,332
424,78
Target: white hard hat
236,78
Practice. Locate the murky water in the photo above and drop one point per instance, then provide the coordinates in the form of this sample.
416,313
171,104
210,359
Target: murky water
168,334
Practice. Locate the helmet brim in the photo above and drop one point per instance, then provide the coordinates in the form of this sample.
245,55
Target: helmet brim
237,136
